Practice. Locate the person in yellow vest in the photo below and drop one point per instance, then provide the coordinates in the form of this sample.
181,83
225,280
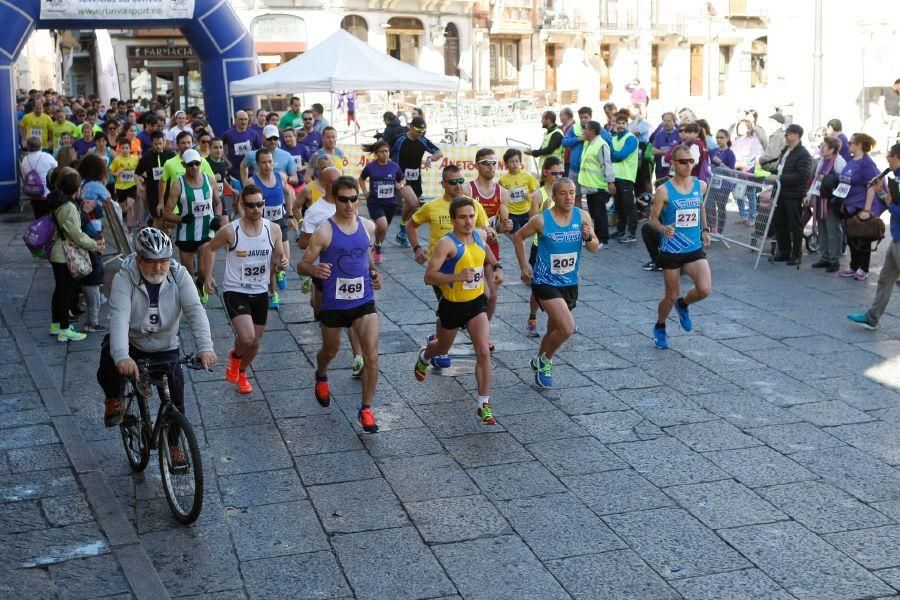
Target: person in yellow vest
574,145
597,178
553,137
625,151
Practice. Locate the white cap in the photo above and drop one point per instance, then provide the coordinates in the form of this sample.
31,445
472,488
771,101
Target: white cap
270,131
190,156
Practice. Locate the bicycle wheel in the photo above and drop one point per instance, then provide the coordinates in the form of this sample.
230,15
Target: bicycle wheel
183,484
135,436
812,243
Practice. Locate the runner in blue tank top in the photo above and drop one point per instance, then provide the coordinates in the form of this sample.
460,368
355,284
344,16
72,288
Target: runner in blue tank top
279,209
561,231
678,215
343,246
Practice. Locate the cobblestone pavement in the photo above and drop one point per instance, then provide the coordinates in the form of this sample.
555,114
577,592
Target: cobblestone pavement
756,459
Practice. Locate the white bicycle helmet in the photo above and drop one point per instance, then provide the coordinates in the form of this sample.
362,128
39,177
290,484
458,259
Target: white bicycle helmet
153,244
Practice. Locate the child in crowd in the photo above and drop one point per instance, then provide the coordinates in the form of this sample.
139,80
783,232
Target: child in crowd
122,168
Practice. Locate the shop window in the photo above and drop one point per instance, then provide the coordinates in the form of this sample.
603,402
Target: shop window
504,61
404,36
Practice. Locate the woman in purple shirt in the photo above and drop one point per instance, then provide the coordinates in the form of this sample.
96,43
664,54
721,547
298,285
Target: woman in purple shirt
385,179
859,199
720,156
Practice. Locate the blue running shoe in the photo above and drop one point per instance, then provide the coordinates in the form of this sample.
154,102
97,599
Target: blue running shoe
684,317
401,238
543,377
659,338
534,363
441,361
281,279
861,319
274,301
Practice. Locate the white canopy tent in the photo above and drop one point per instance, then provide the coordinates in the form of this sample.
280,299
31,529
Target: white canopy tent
343,62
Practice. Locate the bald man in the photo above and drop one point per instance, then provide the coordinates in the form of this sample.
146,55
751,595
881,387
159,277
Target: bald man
240,141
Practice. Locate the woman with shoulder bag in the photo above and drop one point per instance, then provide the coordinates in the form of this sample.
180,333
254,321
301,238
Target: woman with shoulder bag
859,205
828,213
68,231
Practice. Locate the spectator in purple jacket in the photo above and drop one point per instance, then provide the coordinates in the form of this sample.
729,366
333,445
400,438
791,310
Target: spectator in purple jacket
834,127
664,139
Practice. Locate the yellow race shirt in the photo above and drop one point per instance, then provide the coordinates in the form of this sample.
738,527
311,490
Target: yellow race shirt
520,187
126,167
468,256
437,214
60,128
37,127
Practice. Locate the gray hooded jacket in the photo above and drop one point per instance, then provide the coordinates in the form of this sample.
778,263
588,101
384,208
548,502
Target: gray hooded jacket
128,304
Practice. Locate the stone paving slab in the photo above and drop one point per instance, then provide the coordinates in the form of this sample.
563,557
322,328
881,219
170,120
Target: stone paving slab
756,459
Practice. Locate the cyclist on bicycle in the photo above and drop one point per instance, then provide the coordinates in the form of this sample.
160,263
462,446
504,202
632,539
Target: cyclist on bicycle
149,294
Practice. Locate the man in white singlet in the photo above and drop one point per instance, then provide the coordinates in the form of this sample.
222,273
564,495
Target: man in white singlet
254,249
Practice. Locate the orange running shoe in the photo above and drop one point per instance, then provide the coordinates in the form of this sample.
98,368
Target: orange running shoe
233,368
244,386
322,393
367,419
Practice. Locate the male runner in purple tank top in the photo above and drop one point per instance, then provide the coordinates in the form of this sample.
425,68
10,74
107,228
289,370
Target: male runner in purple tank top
343,244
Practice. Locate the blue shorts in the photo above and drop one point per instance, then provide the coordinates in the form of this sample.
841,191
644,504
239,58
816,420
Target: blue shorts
378,210
519,221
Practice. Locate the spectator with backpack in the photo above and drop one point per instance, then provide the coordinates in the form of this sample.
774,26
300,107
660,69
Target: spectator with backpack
35,167
68,233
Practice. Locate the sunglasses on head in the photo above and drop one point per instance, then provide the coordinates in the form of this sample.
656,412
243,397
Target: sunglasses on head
346,199
254,204
487,162
457,181
684,161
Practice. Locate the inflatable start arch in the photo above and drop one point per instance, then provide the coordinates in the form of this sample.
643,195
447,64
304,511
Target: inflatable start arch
211,27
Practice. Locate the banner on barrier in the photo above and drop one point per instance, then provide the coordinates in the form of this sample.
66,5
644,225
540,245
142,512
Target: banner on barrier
116,9
461,156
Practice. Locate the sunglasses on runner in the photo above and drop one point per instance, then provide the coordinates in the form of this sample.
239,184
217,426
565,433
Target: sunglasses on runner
254,204
457,181
346,199
556,173
420,129
306,119
192,164
684,161
491,163
273,138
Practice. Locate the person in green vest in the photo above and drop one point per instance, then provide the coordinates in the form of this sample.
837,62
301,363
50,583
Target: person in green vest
553,137
574,143
625,163
597,178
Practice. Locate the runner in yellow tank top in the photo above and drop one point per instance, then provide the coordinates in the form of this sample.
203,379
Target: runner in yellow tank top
541,200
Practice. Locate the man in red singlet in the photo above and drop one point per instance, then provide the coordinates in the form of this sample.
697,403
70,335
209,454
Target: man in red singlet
495,200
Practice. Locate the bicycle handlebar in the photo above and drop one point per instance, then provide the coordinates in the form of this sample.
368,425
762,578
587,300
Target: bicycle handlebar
146,365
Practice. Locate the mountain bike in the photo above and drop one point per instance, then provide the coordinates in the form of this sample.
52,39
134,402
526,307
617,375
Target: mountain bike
182,479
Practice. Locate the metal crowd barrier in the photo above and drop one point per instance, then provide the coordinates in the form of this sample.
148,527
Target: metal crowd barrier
739,209
118,231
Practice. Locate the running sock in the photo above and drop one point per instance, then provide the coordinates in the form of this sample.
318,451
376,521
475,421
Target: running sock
484,400
660,325
402,224
532,317
378,247
321,377
681,303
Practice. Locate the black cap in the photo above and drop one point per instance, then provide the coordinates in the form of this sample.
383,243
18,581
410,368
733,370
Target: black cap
777,117
794,128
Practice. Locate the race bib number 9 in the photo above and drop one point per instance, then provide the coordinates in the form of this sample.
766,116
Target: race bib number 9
201,209
243,148
411,174
385,190
254,274
687,217
476,282
273,213
349,289
842,190
561,264
151,320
